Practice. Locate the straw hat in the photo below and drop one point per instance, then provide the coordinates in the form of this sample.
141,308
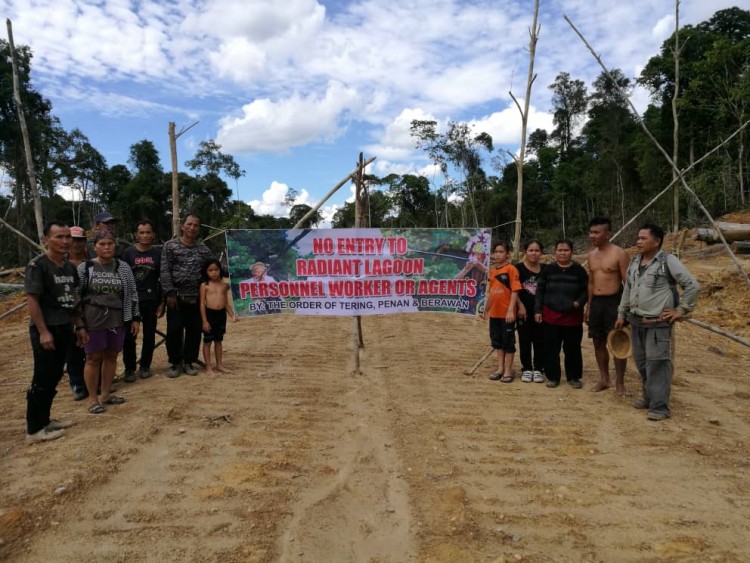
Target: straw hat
618,342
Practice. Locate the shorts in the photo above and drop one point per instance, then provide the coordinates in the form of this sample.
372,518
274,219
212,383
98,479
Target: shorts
105,340
217,318
603,315
503,335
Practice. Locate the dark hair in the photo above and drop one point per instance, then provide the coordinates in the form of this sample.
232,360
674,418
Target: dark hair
529,242
502,243
655,230
191,214
564,241
145,222
598,220
104,234
206,265
52,223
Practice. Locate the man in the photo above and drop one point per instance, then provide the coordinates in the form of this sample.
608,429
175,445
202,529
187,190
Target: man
145,261
650,304
50,282
181,261
608,264
76,359
105,222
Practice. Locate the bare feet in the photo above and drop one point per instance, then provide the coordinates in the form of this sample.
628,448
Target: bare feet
620,390
601,386
223,369
209,370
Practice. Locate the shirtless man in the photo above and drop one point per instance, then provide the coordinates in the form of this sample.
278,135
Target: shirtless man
608,264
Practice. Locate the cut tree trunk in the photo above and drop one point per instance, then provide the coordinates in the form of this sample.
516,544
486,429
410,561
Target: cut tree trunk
731,231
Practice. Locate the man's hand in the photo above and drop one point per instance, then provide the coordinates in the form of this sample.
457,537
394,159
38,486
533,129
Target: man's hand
135,326
46,340
619,323
172,302
538,317
160,311
671,315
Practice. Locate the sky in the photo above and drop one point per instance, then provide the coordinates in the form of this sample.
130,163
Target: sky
295,90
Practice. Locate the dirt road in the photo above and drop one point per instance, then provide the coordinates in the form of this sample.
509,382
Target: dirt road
292,458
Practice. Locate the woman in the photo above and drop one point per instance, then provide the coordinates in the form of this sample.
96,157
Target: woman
562,291
109,303
530,333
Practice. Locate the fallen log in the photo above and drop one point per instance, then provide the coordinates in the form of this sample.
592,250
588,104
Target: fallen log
717,330
731,231
741,247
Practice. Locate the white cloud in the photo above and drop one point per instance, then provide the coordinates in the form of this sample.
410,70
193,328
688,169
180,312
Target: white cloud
505,126
266,125
396,142
273,200
663,28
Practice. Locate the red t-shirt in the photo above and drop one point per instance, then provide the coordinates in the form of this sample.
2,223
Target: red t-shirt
503,281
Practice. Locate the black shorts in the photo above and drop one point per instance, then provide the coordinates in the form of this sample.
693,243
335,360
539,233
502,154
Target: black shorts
503,335
218,321
603,315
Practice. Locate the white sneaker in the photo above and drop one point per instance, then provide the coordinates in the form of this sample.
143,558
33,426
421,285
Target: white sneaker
55,424
538,377
44,435
526,376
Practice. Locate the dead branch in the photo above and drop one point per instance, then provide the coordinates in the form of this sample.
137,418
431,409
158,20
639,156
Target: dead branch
666,156
475,367
13,310
18,233
716,330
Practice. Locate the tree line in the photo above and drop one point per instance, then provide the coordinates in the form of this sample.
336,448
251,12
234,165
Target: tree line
595,161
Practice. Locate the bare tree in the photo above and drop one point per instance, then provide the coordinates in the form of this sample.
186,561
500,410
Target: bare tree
533,38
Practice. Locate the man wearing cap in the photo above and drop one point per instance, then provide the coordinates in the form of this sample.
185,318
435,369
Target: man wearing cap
49,282
105,222
608,264
181,261
650,304
76,359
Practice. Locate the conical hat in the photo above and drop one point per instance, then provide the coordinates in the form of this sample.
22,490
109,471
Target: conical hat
618,342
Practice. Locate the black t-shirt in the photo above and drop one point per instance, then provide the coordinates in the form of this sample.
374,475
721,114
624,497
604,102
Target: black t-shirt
529,282
145,266
54,286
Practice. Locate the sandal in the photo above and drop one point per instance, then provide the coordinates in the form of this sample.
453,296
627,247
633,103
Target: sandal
507,378
97,408
114,400
495,376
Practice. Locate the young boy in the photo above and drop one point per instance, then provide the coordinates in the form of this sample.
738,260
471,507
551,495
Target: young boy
500,307
215,305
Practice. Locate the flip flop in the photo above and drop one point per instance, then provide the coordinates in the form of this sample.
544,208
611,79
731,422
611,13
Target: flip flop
114,400
507,378
97,408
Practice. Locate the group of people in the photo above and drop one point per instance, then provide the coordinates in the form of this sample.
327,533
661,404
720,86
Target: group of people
547,305
89,299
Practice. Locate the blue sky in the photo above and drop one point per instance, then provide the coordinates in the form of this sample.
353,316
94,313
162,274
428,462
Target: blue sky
295,90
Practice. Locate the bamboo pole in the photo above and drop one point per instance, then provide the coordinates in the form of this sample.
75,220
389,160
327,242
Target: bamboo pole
475,367
676,119
25,133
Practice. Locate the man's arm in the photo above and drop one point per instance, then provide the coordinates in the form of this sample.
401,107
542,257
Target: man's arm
35,312
690,286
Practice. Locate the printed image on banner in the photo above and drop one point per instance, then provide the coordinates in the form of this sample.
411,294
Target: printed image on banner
349,272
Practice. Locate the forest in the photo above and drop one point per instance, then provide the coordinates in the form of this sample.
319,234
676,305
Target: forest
597,160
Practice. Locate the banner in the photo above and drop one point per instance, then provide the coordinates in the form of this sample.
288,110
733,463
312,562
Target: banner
351,272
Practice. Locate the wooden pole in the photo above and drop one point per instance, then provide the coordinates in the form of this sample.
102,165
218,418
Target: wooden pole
475,367
26,140
19,234
13,310
334,189
716,330
358,224
676,120
175,177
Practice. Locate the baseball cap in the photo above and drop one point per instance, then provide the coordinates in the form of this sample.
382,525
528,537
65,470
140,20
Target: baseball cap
77,232
104,218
